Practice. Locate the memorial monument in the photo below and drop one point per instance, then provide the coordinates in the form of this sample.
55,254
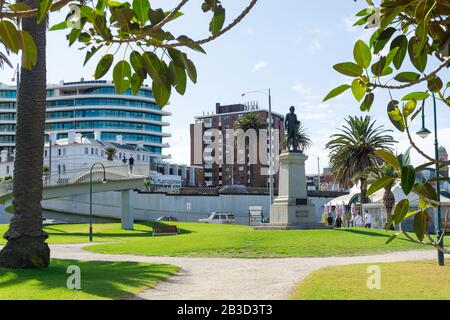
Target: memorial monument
292,209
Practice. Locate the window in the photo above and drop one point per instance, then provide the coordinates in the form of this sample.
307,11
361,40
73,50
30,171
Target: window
92,150
7,169
86,150
138,157
59,152
45,153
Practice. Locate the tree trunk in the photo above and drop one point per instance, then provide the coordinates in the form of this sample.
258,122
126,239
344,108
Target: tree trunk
26,247
363,191
388,202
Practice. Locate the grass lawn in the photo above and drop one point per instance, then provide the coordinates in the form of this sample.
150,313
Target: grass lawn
99,280
205,240
421,280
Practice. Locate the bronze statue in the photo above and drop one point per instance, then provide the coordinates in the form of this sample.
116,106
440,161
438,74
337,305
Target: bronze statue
291,124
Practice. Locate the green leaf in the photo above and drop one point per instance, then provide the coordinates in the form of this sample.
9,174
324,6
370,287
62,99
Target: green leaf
400,211
395,115
153,66
389,158
101,28
161,92
349,69
191,70
407,77
91,53
103,66
8,35
380,184
419,96
362,54
178,77
137,62
425,190
378,68
29,50
382,39
419,58
368,102
218,20
19,6
141,9
136,83
435,84
420,224
336,92
60,26
401,42
408,175
409,108
122,76
190,43
358,89
392,237
43,8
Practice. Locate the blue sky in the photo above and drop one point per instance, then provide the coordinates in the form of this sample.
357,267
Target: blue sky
289,46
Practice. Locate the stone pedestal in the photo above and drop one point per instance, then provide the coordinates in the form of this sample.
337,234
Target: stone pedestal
292,209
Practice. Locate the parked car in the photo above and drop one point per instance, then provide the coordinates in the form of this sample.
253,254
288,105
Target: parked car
235,187
219,218
167,218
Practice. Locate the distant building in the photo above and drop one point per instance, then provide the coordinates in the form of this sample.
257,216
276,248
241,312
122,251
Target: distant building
66,159
90,107
443,156
230,174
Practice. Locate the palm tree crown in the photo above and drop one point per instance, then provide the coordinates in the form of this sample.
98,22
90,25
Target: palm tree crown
251,120
352,150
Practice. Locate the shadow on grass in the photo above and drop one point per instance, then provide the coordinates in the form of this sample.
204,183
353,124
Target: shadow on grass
99,280
139,233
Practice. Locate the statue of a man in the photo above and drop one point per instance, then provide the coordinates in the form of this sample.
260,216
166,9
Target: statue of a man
291,123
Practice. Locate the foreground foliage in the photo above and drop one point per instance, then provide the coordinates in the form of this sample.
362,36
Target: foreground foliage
420,31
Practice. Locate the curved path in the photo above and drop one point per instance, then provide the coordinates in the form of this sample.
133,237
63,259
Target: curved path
233,279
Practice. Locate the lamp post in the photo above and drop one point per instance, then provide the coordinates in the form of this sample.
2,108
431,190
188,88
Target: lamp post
269,94
423,133
90,195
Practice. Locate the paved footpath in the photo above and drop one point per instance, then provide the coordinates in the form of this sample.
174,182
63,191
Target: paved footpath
229,279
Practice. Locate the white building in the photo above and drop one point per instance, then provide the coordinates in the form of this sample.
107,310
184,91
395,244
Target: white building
68,160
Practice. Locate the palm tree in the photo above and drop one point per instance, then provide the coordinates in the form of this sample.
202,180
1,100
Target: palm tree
249,121
110,152
352,150
303,140
386,170
26,247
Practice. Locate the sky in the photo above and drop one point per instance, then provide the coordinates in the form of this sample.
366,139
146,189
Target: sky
289,46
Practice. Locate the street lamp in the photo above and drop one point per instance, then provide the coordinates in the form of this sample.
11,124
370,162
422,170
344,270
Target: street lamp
318,171
90,194
423,133
268,93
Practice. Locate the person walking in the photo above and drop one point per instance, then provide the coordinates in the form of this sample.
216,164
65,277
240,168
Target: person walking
131,163
368,220
358,221
124,159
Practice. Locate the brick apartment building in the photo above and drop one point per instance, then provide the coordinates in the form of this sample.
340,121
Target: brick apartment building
230,174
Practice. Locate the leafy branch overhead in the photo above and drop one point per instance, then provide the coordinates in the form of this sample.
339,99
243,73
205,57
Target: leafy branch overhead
132,37
408,54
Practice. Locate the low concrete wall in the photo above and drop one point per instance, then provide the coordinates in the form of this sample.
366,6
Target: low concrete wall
153,205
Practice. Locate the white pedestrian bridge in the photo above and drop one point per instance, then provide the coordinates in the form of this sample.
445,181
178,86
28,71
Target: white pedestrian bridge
115,178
